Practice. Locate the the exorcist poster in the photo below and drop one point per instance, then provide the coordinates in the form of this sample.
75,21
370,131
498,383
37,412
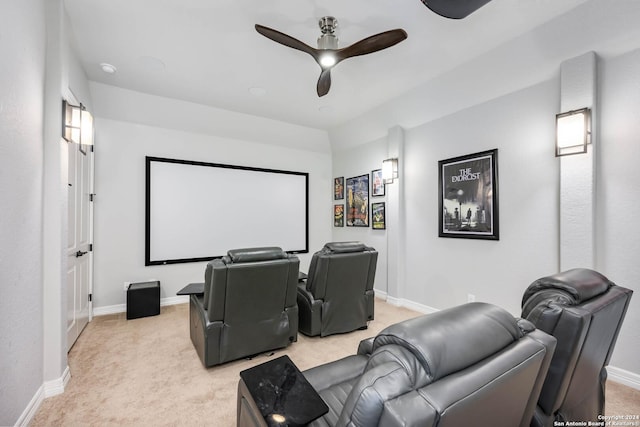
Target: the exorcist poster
468,196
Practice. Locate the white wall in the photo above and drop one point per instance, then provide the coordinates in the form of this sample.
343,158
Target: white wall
63,76
355,162
520,126
22,43
441,272
618,191
120,152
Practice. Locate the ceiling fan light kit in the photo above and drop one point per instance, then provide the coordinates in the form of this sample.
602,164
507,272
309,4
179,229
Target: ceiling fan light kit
328,55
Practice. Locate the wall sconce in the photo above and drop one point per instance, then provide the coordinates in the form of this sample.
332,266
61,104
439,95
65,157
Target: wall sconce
77,124
573,132
389,170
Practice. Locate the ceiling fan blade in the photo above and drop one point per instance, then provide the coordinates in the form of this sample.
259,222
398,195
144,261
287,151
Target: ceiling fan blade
372,44
324,82
454,9
286,40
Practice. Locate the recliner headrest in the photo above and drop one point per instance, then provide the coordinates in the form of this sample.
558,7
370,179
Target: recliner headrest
453,339
570,287
345,247
256,254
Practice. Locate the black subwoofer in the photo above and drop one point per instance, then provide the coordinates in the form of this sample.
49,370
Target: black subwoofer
143,299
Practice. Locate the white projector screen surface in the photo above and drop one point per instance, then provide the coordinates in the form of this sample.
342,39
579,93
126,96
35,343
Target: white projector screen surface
197,211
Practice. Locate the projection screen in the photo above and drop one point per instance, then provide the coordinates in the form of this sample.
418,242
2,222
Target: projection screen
197,211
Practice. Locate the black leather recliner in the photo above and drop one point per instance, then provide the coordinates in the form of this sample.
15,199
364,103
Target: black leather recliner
584,311
471,365
248,306
338,294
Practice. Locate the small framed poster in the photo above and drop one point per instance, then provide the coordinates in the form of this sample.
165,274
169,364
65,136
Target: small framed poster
338,215
377,183
468,196
338,188
378,216
358,201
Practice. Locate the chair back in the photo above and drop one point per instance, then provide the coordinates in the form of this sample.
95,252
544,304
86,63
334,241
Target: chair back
342,275
252,292
584,310
473,364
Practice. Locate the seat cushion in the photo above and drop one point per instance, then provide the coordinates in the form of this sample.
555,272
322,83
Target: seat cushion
334,381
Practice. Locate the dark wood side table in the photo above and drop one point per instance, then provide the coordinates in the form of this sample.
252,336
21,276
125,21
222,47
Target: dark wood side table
275,393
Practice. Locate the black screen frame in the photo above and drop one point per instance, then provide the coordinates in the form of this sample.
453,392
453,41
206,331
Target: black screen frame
148,237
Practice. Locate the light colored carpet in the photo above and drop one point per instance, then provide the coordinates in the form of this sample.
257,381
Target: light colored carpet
145,372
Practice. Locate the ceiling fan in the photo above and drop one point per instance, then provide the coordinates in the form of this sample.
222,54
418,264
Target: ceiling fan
327,55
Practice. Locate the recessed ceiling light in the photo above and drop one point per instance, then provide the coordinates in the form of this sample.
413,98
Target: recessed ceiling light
108,68
257,91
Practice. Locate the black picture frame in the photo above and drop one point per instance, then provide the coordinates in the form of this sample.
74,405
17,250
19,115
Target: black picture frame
377,183
378,216
338,215
357,198
468,196
338,188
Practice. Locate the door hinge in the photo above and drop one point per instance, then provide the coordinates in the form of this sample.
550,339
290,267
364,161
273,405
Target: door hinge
90,297
91,196
90,247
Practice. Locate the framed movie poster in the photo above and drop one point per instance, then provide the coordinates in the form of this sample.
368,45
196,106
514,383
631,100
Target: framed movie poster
468,196
377,183
338,215
377,216
358,201
338,188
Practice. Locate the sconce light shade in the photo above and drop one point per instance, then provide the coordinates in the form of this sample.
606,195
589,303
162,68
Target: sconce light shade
573,132
86,128
77,126
389,170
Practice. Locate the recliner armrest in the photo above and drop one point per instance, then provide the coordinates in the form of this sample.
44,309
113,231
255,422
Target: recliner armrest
309,320
365,348
336,372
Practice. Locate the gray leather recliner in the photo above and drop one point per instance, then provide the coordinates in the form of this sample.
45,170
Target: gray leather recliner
338,294
584,311
471,365
248,306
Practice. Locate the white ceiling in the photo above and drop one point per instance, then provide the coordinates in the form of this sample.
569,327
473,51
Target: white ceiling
208,52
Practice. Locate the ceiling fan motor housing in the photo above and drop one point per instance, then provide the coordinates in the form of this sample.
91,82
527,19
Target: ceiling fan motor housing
328,24
328,39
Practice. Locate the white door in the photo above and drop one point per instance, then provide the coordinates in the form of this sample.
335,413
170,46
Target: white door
79,249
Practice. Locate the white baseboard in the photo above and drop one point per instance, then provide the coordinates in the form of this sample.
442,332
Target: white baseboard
401,302
47,389
31,409
624,377
54,387
179,299
122,308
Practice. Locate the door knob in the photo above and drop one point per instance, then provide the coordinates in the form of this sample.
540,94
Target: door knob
80,253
